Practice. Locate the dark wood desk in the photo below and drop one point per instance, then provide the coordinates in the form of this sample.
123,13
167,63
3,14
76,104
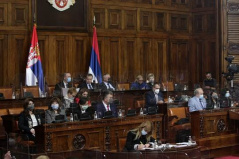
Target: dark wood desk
214,130
93,134
126,98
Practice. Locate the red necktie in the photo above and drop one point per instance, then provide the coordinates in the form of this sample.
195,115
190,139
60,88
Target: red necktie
108,108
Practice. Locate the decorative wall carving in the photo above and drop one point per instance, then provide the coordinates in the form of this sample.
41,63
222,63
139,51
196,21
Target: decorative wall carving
233,48
79,141
233,7
49,141
221,125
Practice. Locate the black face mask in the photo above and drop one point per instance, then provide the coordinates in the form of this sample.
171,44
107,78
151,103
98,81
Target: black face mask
31,107
109,80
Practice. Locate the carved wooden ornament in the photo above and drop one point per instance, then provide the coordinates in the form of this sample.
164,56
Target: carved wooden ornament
61,5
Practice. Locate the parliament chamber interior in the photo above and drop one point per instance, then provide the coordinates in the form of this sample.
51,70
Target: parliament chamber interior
113,79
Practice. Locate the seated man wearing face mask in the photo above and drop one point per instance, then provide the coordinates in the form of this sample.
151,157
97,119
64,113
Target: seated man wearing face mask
84,109
106,105
212,100
106,84
154,97
63,84
198,102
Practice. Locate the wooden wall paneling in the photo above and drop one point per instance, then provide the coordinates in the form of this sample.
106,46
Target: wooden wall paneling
99,14
43,41
17,58
130,19
115,54
128,60
20,15
3,61
179,61
80,57
114,18
146,55
160,21
3,14
62,54
161,67
146,19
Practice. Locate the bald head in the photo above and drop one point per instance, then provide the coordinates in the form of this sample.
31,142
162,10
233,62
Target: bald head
198,92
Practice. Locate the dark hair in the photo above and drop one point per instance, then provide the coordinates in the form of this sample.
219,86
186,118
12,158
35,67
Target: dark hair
105,93
83,100
156,84
208,73
25,105
55,99
89,74
82,91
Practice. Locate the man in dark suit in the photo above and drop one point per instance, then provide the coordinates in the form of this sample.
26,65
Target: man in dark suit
154,97
63,84
88,83
106,84
106,105
150,81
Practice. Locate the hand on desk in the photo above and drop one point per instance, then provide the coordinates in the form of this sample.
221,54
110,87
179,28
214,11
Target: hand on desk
141,146
33,131
160,102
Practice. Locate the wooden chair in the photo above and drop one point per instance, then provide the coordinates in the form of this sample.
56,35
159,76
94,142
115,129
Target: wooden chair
2,129
168,85
140,103
174,115
7,92
123,86
11,121
51,90
15,111
33,89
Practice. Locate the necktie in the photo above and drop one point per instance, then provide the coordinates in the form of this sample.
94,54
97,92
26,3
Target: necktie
200,100
108,85
108,108
90,87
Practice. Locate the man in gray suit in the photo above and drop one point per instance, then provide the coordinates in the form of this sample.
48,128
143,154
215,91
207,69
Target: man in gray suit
197,102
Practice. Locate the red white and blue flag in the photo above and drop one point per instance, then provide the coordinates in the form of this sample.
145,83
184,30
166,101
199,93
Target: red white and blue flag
95,68
34,72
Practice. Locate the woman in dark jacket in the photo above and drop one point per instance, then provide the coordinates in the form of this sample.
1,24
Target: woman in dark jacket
84,110
139,138
55,109
28,119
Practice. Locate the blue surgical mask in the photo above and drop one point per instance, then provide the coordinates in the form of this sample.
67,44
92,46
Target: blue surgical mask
227,95
201,96
55,106
143,132
84,107
69,79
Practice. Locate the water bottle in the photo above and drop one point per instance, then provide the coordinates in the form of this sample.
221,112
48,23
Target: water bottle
95,116
71,118
141,111
120,113
169,99
189,140
185,87
13,95
155,144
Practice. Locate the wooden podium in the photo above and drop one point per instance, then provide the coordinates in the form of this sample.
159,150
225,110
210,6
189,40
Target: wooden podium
215,131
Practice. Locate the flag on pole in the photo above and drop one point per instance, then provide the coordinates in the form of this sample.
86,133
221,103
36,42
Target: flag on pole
34,72
95,68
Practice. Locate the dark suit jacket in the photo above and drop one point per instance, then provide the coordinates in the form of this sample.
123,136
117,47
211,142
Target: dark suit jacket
84,85
24,126
130,141
150,100
102,86
100,109
60,85
89,111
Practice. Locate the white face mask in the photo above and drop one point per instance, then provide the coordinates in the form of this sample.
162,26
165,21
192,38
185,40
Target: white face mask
143,132
201,96
156,91
227,95
84,107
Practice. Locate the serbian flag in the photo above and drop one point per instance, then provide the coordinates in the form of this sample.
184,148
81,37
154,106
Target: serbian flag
34,72
94,68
